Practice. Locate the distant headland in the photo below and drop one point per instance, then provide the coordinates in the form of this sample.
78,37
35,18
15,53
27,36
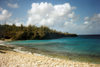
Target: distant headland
30,32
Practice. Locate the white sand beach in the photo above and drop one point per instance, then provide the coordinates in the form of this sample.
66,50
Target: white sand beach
17,58
20,59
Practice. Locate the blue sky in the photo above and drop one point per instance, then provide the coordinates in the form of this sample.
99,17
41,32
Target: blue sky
83,9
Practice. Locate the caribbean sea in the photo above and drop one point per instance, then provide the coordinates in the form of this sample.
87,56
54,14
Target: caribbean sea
83,47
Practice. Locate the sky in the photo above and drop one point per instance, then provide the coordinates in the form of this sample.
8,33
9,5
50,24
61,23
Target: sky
73,16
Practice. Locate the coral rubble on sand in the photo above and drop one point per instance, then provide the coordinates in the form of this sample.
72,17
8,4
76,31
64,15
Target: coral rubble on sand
16,59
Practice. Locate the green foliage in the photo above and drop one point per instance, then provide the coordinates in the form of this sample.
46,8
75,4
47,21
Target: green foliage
29,33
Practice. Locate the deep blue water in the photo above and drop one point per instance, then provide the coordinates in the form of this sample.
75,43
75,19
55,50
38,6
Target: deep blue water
86,45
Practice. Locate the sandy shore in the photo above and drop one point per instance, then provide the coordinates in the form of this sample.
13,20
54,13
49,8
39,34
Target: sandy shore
16,58
22,59
1,41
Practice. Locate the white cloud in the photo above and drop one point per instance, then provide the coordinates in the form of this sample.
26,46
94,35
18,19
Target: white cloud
13,5
50,15
62,18
4,14
91,25
86,22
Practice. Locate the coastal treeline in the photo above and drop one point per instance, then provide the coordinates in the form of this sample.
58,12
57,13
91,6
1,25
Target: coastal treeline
30,32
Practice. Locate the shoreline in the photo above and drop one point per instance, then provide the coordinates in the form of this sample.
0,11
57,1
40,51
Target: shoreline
19,59
12,57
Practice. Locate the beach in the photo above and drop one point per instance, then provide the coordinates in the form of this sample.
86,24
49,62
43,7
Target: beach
11,57
24,59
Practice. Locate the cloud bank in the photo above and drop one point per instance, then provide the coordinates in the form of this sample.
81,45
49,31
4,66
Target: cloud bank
62,17
50,15
92,24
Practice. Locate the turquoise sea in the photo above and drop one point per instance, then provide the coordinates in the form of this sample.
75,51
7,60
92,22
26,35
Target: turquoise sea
81,46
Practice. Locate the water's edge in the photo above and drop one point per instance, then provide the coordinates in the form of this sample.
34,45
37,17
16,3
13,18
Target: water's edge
81,48
67,56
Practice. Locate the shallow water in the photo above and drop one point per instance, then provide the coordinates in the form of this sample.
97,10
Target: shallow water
81,45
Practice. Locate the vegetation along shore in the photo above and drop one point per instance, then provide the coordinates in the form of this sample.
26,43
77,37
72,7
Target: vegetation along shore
14,32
